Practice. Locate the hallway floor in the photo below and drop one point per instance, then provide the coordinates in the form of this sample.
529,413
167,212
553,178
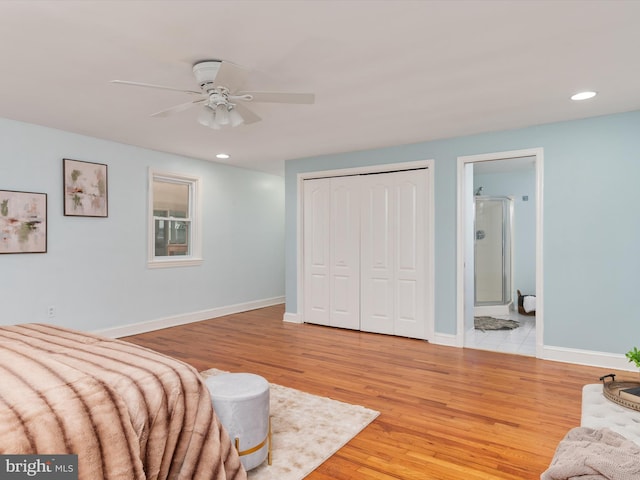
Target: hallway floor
521,340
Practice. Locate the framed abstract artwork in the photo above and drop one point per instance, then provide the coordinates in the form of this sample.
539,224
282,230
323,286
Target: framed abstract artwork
85,188
23,222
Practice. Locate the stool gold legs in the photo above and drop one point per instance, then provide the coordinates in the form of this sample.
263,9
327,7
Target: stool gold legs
266,441
269,435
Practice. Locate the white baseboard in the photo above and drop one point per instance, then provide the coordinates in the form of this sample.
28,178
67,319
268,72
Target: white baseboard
588,357
446,339
150,325
592,358
292,318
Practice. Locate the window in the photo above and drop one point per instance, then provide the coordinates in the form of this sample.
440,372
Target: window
174,223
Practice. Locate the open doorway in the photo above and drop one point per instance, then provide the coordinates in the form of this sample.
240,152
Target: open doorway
499,252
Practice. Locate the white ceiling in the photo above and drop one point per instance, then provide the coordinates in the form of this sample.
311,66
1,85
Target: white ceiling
384,72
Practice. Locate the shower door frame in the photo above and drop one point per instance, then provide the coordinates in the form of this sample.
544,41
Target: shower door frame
507,232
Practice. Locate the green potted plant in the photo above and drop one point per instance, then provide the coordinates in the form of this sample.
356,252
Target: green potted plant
634,356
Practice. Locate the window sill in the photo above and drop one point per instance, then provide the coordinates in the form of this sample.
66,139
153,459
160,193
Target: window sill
170,262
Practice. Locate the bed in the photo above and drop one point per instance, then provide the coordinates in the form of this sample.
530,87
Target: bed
129,413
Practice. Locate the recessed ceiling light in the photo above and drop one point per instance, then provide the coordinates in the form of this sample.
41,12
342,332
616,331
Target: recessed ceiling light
222,155
583,95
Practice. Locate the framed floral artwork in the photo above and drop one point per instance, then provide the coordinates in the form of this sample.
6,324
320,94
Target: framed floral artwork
85,188
23,222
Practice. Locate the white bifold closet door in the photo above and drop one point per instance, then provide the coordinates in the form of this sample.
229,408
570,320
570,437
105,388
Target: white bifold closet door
393,254
332,252
365,252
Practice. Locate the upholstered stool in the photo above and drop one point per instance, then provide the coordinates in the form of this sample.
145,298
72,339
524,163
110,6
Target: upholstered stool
241,401
598,412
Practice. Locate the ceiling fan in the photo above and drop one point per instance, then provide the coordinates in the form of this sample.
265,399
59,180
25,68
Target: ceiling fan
220,96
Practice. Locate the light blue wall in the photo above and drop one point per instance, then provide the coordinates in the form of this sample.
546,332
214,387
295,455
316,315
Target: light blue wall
591,223
95,271
517,184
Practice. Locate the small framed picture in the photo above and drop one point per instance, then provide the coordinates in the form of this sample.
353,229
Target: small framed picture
85,188
23,222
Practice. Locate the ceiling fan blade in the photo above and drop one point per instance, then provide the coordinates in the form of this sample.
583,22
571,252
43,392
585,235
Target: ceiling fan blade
231,76
150,85
178,108
277,97
247,115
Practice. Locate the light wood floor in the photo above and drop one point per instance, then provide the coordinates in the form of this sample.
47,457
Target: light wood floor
446,413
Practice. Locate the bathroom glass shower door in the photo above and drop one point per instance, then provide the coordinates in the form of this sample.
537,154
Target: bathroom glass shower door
492,255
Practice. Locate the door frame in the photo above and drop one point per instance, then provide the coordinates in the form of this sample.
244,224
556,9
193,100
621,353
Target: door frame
462,190
368,169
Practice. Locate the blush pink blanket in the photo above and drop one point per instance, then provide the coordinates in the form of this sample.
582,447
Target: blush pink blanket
594,454
129,413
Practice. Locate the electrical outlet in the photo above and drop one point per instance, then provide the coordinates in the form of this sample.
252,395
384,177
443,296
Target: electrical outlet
51,311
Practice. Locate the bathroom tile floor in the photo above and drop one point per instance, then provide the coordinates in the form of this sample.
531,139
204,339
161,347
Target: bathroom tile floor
521,340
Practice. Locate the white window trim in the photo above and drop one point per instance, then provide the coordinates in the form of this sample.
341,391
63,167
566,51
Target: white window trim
196,223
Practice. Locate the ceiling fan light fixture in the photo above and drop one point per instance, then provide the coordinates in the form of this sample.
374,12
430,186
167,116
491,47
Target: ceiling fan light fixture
206,116
235,118
221,95
206,72
222,114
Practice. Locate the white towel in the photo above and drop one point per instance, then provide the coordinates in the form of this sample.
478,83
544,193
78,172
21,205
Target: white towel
529,303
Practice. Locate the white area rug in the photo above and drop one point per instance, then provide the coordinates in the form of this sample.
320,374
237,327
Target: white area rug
306,430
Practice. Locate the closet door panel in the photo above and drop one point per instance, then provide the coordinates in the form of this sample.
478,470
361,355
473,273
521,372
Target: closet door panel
377,259
410,254
345,253
406,211
316,254
407,300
